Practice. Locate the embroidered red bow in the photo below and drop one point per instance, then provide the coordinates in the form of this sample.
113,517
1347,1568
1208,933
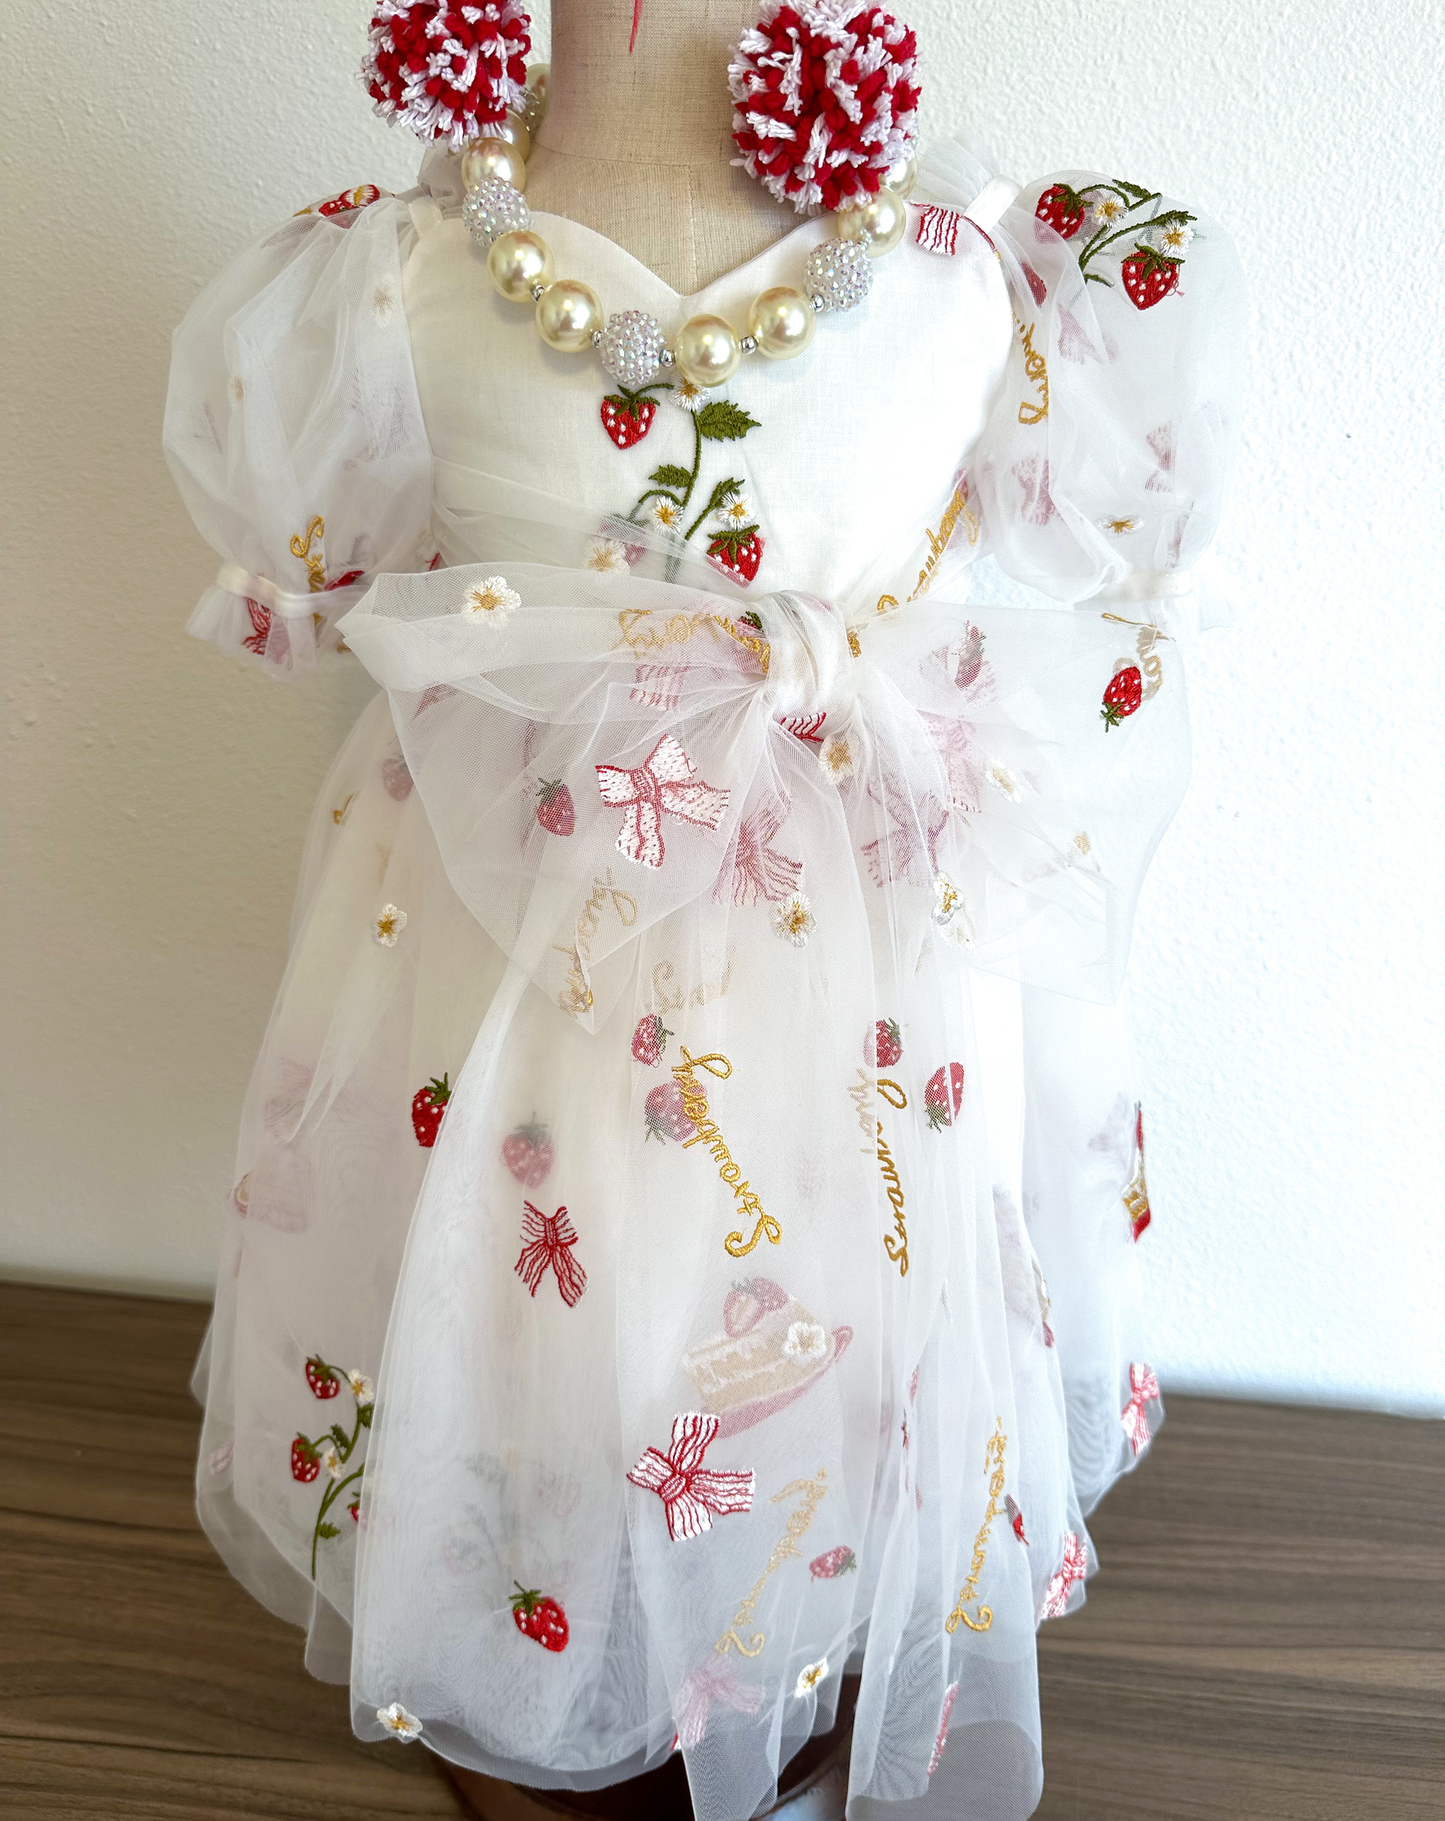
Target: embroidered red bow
759,870
547,1240
260,627
935,1757
1074,1567
1136,1190
1143,1389
691,1493
711,1682
666,783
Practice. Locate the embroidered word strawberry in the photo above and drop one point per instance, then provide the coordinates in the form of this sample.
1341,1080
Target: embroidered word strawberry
884,1046
737,554
1063,209
833,1562
627,418
649,1040
396,777
528,1154
324,1380
1149,276
555,809
944,1095
539,1617
666,1116
748,1302
427,1106
1123,696
305,1461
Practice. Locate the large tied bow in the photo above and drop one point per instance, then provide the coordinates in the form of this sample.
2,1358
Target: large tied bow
712,1683
666,783
691,1493
1074,1567
1143,1390
548,1239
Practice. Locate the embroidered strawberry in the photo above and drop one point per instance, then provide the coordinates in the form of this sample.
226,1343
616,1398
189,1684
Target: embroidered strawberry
1149,276
1036,284
427,1106
833,1562
944,1085
538,1617
305,1461
748,1302
1016,1518
649,1040
528,1154
355,1510
1063,209
737,554
555,809
1123,696
883,1046
396,777
666,1116
323,1379
627,418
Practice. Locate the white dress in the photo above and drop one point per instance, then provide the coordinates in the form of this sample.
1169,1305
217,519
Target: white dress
700,1047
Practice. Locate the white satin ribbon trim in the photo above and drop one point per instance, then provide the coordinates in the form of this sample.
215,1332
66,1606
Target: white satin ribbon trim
235,580
990,203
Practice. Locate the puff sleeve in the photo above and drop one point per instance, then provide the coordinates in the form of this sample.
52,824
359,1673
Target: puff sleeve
294,430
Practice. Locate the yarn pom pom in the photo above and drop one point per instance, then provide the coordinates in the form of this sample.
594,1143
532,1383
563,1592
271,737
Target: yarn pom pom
825,101
447,71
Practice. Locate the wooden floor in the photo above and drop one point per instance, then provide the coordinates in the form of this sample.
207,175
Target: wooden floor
1266,1641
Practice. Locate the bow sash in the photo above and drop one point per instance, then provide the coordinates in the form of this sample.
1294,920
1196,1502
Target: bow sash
691,1493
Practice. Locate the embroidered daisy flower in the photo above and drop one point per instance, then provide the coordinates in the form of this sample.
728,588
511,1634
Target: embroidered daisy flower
809,1676
836,758
362,1388
608,557
1173,239
399,1723
1121,527
1003,780
1106,210
666,514
946,900
220,1459
494,603
388,926
687,394
330,1458
735,511
806,1340
794,919
383,302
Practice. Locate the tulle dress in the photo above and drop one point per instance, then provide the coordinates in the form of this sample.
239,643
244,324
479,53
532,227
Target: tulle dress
683,1239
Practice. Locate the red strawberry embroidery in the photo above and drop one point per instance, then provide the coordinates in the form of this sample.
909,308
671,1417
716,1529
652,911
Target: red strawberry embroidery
528,1154
737,554
1016,1518
427,1106
396,777
627,418
355,1511
833,1562
305,1461
883,1046
944,1085
539,1618
555,809
324,1382
1063,209
748,1302
1123,696
1036,284
666,1115
649,1040
1149,277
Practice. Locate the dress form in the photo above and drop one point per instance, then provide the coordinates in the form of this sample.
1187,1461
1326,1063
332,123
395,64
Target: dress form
638,145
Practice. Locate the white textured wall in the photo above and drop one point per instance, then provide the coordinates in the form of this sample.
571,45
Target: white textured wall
1288,975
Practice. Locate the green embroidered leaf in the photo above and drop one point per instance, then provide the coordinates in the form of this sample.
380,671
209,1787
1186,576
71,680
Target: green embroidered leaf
670,475
721,492
751,619
731,541
724,422
341,1438
327,1531
365,1414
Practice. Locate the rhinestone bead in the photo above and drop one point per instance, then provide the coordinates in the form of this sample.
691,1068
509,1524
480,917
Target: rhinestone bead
632,348
494,208
840,272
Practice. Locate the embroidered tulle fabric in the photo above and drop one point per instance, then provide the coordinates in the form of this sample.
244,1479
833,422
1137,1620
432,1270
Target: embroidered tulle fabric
682,1245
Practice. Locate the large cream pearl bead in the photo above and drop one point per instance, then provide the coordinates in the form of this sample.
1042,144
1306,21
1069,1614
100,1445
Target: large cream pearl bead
490,157
518,261
517,134
880,223
539,80
782,322
568,314
707,351
901,177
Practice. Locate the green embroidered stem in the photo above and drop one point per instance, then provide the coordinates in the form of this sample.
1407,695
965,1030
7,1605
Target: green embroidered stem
329,1498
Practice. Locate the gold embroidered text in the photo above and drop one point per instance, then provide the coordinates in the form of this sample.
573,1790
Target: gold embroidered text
938,541
895,1244
814,1491
576,996
1038,371
694,1104
992,1458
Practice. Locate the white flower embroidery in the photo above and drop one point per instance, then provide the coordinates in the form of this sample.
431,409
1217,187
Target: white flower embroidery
1121,527
735,510
330,1458
238,389
362,1388
666,514
608,557
388,926
1173,239
688,394
946,900
794,919
810,1676
836,758
399,1723
494,603
1003,780
220,1459
1105,210
383,302
806,1340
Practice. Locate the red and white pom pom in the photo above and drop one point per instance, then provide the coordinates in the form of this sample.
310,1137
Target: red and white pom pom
825,99
447,71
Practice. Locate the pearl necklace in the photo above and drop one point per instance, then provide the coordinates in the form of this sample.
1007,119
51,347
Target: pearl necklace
632,345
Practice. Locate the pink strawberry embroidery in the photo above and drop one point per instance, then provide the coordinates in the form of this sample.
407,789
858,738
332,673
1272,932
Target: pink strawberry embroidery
737,554
528,1154
1063,209
556,811
627,417
666,1115
396,777
305,1461
833,1562
1015,1518
649,1040
427,1106
1149,276
944,1095
883,1046
1123,696
323,1379
748,1302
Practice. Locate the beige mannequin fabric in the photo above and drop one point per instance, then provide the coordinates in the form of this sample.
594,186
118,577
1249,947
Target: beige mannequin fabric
639,146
